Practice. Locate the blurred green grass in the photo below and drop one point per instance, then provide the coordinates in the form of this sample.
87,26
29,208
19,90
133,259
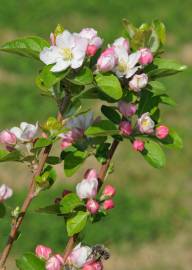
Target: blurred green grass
151,204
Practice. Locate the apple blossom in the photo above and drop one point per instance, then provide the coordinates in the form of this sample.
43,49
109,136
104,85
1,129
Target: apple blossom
109,191
108,204
107,60
127,109
161,132
146,56
7,137
69,51
5,192
138,82
70,137
121,42
92,206
90,173
138,145
79,256
55,263
87,188
93,266
26,132
125,128
145,123
43,252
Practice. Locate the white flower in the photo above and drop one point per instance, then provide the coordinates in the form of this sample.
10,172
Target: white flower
5,192
69,51
87,188
91,35
138,82
145,123
26,132
82,121
79,256
126,63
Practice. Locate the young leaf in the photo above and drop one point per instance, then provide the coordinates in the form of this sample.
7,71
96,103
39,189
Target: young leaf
28,46
73,160
2,210
85,76
30,262
50,209
42,142
77,223
173,140
111,114
102,128
165,99
154,154
10,156
110,85
53,160
157,88
69,203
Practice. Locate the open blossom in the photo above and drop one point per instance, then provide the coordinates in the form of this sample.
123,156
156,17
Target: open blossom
146,56
69,51
109,191
127,109
79,256
94,42
125,128
108,204
87,188
138,145
55,263
7,137
5,192
126,65
161,132
26,132
121,42
92,206
93,266
107,60
138,82
145,123
43,252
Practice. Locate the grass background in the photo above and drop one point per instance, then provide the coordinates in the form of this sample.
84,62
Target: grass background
151,226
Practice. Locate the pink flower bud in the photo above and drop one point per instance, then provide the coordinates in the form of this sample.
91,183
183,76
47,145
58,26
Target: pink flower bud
52,39
138,145
145,123
5,192
146,56
79,256
92,206
161,132
90,173
125,128
138,82
91,50
127,109
107,60
108,204
55,263
109,191
94,266
43,252
87,188
7,137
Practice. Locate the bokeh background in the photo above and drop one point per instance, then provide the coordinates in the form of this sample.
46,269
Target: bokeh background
151,226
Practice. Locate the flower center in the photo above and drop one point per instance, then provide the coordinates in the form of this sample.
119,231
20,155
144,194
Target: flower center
122,66
67,54
145,123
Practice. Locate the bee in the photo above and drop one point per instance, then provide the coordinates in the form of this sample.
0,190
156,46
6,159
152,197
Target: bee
99,252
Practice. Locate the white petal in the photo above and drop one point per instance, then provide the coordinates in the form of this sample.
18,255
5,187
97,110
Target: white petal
24,125
17,131
131,72
133,59
76,63
80,43
60,66
50,55
65,40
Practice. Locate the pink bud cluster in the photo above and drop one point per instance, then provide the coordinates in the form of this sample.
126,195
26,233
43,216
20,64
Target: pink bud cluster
53,261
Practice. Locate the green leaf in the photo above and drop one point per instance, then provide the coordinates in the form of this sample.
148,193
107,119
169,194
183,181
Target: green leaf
73,160
69,203
77,223
102,152
111,114
27,46
173,140
160,30
165,67
30,262
102,128
42,142
53,160
130,28
154,154
2,210
47,178
85,76
157,88
10,156
50,209
165,99
110,85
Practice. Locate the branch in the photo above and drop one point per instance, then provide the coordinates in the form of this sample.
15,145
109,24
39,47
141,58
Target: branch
30,195
102,173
